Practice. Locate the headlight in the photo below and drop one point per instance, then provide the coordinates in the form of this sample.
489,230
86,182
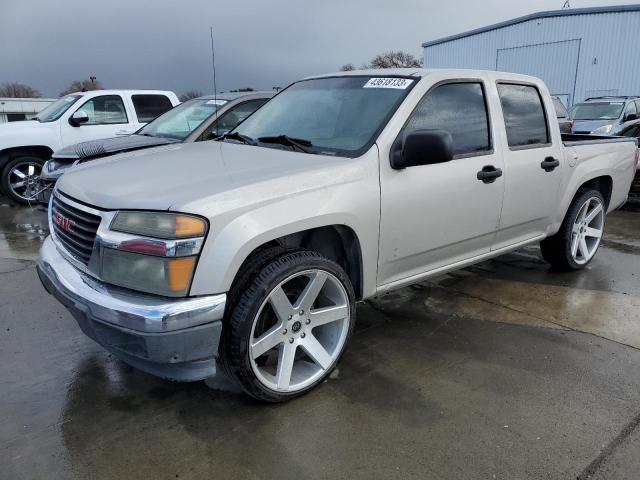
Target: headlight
159,224
153,252
604,130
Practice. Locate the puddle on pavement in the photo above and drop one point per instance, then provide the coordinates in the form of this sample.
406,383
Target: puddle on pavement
22,230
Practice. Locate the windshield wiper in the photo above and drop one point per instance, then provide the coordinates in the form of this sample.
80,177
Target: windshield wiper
299,143
238,136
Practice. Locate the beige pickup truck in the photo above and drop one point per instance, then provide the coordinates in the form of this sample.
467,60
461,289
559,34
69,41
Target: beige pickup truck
249,254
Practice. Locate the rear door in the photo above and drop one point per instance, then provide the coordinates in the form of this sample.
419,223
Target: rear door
434,216
108,117
533,162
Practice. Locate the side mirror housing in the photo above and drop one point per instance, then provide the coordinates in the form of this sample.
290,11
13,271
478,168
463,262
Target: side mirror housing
630,117
78,118
422,147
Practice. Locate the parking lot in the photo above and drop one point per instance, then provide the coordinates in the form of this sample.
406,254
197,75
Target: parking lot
502,370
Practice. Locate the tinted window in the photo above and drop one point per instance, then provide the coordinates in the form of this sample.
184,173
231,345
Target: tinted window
16,117
230,119
524,116
105,110
458,108
149,107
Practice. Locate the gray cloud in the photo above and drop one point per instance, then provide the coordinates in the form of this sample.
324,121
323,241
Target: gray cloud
153,44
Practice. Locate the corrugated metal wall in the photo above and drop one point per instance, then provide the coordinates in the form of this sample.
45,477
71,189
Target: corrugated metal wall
601,50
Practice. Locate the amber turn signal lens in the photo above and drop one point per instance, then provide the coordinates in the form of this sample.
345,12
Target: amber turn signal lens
187,226
180,271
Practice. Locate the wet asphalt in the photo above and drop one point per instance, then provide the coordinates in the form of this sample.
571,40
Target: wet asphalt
504,370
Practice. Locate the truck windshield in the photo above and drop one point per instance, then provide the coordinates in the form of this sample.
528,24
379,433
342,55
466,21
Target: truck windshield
180,121
596,111
57,108
331,116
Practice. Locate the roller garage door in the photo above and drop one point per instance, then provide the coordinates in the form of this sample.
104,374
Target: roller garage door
556,63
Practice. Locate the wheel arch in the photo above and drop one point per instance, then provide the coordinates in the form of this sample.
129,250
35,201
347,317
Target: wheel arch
8,154
602,183
337,242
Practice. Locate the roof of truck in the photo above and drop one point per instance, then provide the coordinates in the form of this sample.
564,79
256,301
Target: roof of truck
423,72
118,91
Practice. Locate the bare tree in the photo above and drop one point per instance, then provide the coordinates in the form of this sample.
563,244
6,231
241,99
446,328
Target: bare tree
347,67
243,89
82,86
18,90
393,59
190,94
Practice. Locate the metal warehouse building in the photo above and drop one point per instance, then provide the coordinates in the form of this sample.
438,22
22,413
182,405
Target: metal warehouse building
579,53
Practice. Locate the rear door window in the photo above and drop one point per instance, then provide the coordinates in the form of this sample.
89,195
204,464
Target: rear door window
524,115
149,107
460,109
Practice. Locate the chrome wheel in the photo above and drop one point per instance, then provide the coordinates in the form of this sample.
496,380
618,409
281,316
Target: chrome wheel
587,230
299,331
24,179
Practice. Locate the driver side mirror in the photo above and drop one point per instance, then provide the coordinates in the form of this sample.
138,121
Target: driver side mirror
422,147
78,118
631,116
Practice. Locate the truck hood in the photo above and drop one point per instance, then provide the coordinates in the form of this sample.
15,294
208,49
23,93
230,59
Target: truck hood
25,132
185,177
108,146
588,126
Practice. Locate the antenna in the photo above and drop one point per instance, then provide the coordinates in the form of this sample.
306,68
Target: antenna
215,88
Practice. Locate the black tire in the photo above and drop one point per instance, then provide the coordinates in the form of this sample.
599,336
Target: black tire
556,249
239,318
6,172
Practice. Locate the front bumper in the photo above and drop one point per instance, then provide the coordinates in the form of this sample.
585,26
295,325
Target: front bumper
172,338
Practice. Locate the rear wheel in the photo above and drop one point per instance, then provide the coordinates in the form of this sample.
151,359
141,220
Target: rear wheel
21,178
579,237
290,326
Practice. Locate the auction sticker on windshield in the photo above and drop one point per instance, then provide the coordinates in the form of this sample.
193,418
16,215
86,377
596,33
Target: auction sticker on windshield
399,83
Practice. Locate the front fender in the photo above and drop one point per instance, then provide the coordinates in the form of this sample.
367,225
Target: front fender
230,243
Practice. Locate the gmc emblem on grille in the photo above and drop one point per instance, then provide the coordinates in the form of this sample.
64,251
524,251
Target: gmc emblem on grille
64,223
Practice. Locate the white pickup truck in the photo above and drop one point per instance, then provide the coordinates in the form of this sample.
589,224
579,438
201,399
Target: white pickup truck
74,118
250,253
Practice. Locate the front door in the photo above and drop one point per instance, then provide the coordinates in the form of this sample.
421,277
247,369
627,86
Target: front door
107,118
434,216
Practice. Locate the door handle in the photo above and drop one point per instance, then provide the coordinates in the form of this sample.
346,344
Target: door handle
489,173
549,164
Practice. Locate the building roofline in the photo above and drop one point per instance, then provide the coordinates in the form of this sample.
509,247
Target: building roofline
550,13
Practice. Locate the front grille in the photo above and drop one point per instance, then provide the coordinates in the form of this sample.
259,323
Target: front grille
74,228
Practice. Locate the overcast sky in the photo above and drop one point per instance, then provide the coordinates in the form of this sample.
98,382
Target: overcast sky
260,44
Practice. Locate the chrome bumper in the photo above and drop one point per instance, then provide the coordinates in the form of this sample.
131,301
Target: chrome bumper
176,339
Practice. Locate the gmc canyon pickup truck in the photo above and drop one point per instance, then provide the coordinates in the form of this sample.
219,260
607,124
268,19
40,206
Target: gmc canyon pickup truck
249,254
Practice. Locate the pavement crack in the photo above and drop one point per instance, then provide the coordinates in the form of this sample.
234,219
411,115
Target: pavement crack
601,459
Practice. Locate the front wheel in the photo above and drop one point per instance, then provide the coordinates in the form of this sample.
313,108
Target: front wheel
21,179
580,234
290,326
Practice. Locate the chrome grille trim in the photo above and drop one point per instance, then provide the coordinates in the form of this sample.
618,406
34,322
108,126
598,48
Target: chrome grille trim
80,238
